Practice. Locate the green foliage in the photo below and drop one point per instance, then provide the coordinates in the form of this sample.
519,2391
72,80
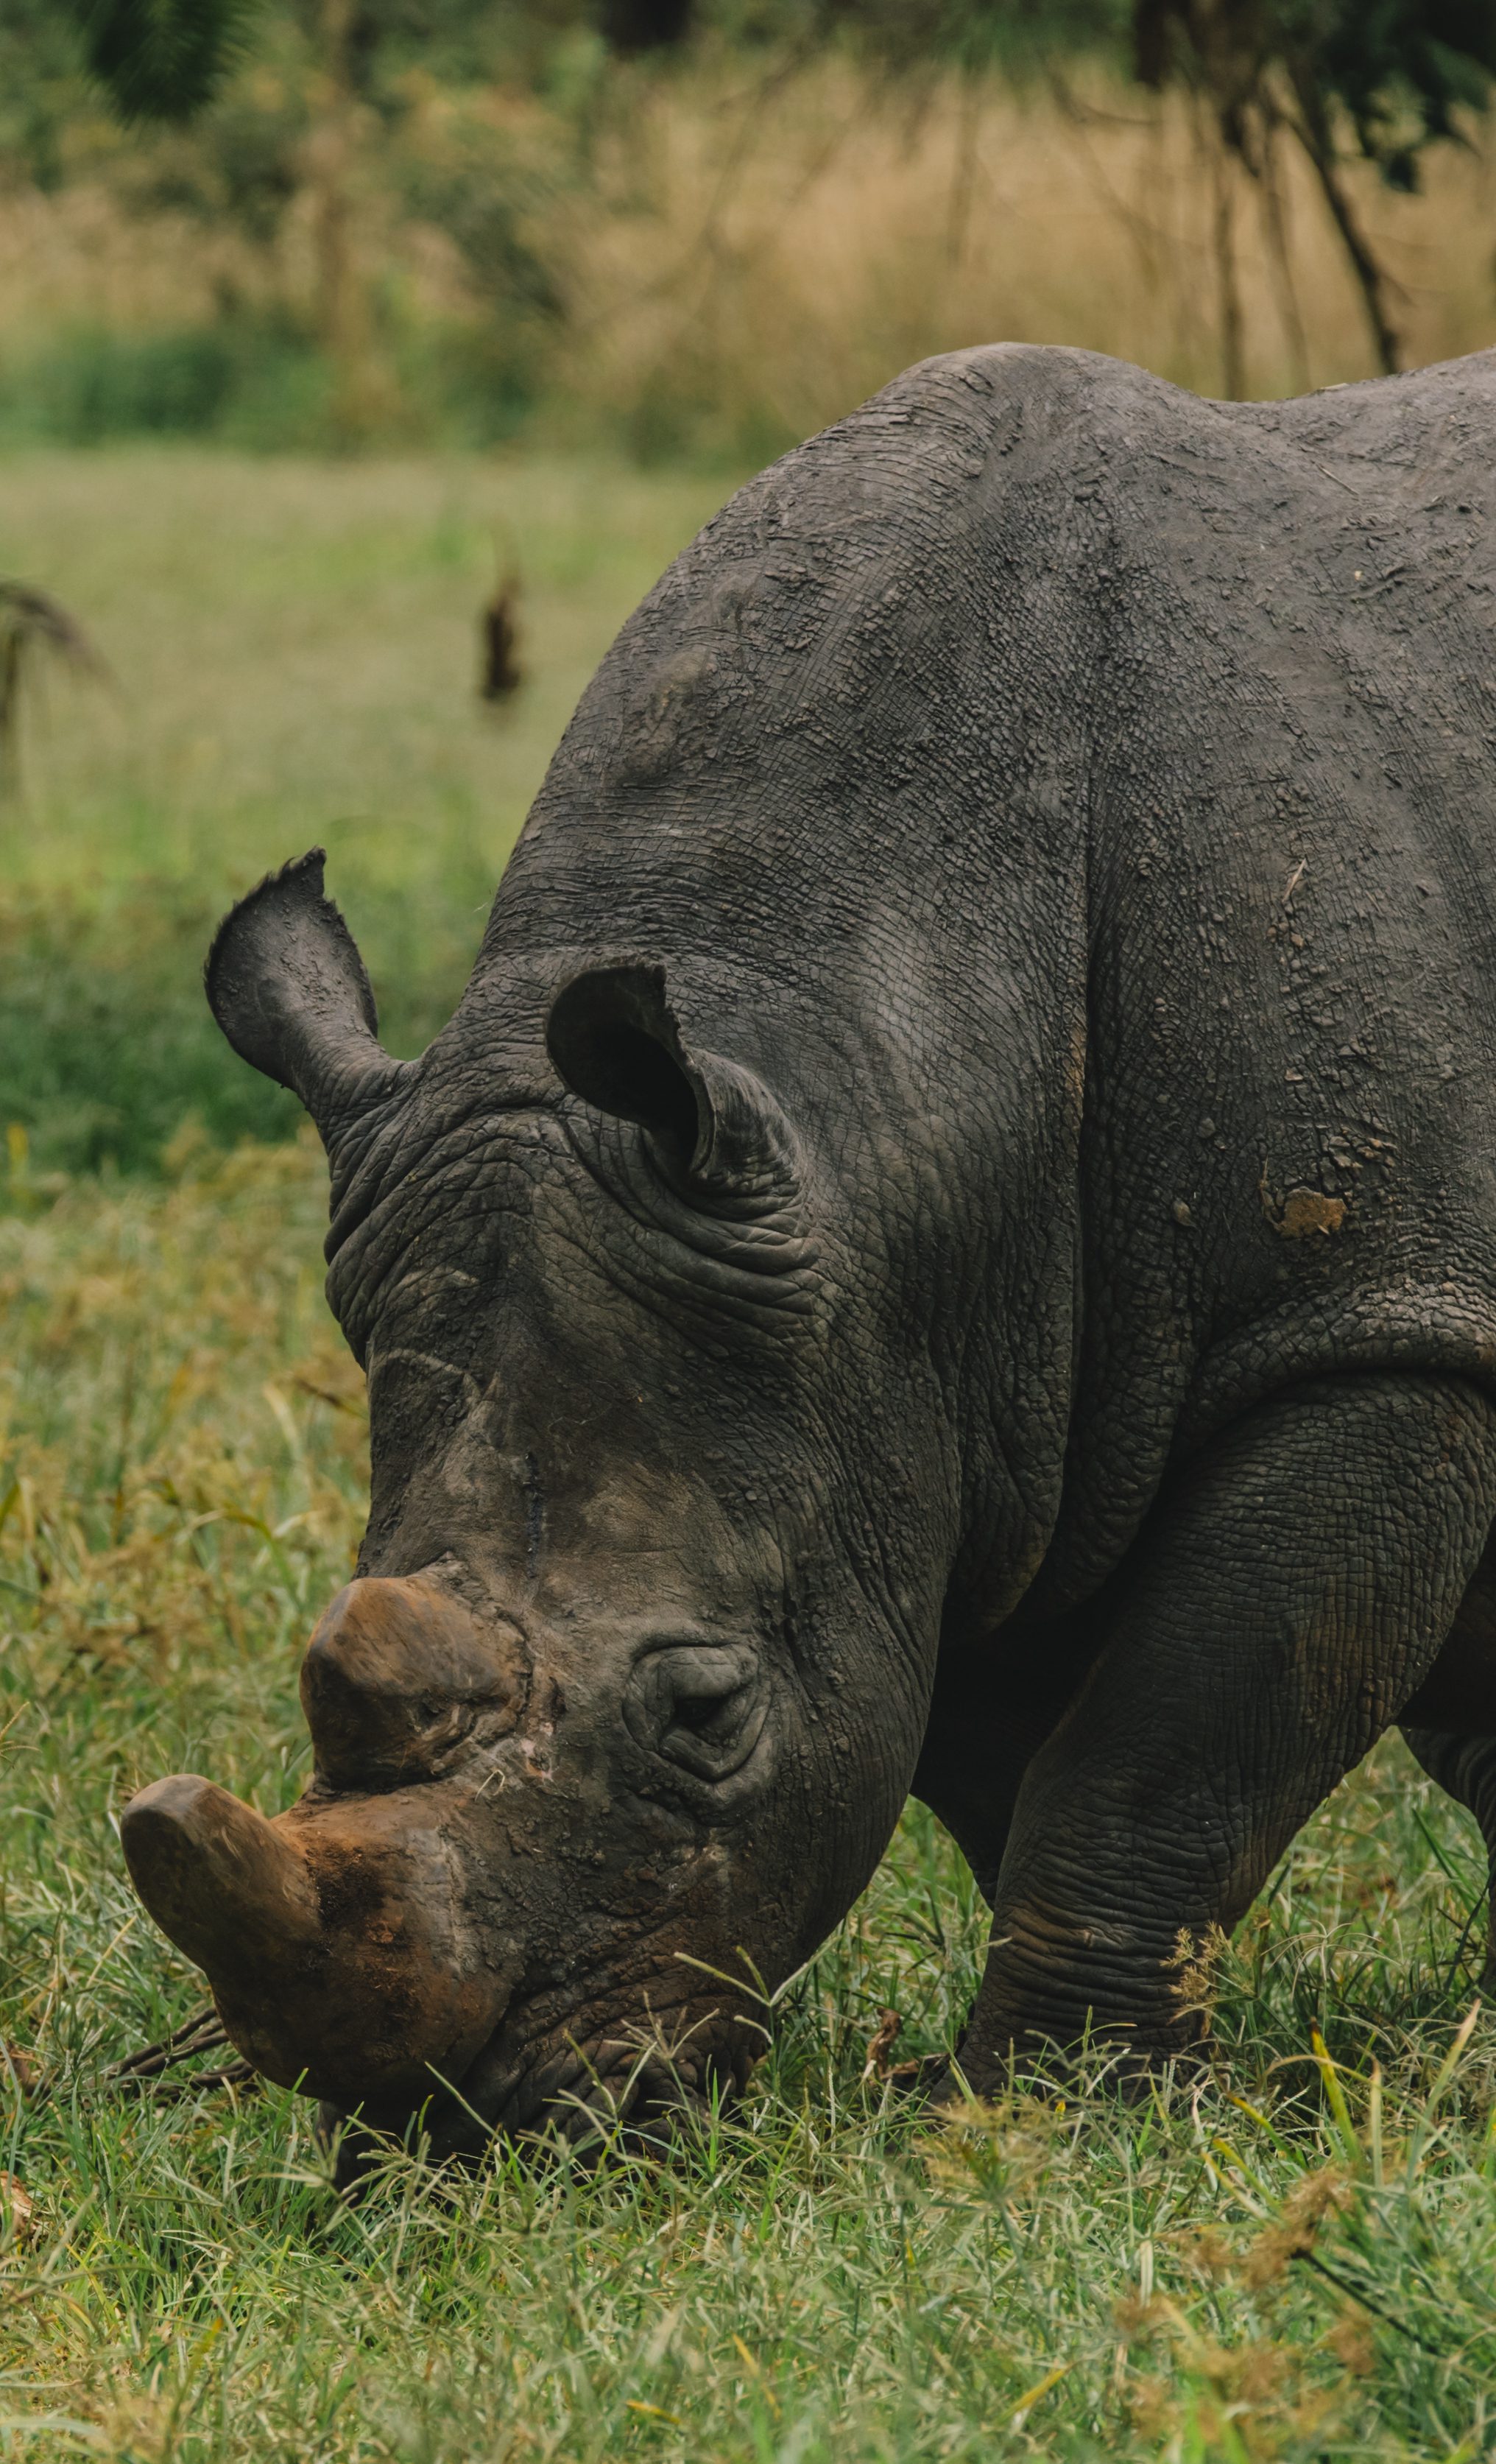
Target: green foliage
95,383
105,1041
484,186
106,1044
240,163
165,60
162,60
252,381
633,26
1401,68
1014,36
461,42
39,83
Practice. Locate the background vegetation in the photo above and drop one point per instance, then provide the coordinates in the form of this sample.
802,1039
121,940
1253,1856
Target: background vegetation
446,221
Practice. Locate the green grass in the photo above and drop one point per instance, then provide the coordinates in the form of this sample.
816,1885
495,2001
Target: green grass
90,384
293,650
1249,2268
1295,2259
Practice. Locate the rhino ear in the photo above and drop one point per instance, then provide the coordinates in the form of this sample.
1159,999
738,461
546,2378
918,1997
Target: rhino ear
615,1041
287,985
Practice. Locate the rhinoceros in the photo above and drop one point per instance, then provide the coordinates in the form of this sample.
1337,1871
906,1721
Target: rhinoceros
948,1248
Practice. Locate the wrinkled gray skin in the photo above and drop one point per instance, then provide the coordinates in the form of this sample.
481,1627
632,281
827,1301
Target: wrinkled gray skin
950,1246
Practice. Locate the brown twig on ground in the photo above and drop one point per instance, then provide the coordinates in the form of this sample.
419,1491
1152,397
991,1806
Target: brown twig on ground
881,2046
202,2034
500,673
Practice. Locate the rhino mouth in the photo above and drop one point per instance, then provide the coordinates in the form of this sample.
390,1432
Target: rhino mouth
634,2087
637,2081
383,2020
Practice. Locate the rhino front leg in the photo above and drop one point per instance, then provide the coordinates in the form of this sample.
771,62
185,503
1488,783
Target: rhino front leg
1465,1768
1288,1596
1451,1723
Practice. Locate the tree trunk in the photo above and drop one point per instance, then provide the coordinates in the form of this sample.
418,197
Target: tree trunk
1275,225
341,302
1313,132
1233,356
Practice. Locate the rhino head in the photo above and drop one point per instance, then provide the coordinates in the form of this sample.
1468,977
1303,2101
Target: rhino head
618,1713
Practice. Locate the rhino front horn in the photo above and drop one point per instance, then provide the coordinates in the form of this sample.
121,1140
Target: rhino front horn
333,1938
225,1884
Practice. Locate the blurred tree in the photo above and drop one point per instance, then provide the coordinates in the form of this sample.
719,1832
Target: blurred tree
39,85
166,60
1380,79
1396,76
1398,73
643,25
162,60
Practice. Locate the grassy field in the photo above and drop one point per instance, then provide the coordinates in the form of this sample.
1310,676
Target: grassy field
1253,2269
1294,2259
293,651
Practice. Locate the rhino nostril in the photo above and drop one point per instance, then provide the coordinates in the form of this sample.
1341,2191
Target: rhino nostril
398,1675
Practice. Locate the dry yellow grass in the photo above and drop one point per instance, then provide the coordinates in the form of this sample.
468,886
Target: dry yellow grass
752,255
799,249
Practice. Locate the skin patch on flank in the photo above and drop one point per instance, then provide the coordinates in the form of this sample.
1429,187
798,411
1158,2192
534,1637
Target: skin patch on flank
1303,1212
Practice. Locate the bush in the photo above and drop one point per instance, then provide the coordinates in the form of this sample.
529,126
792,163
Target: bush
249,383
106,1044
94,384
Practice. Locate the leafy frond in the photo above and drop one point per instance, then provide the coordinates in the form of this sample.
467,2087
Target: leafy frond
28,616
1400,70
162,60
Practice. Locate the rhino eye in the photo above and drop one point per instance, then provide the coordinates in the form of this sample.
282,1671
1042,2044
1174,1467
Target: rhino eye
702,1706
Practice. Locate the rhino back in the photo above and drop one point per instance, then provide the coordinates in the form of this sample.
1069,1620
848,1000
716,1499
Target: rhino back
1076,798
1291,1140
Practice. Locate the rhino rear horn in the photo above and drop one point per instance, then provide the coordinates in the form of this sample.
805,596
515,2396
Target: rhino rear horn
614,1040
287,985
